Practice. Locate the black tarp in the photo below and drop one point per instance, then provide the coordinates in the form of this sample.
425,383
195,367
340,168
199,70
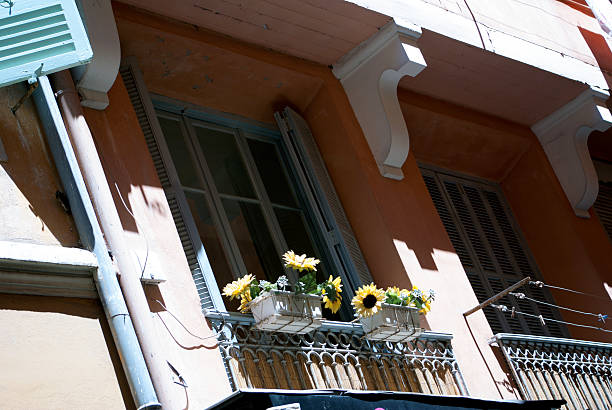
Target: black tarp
256,399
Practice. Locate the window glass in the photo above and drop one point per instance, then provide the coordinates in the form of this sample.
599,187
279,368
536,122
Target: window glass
179,152
272,172
225,162
253,239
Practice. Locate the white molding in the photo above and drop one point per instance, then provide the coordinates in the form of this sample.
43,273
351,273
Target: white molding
94,80
564,136
46,270
370,74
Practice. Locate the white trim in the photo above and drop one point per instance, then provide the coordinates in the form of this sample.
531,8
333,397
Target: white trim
373,69
47,270
564,135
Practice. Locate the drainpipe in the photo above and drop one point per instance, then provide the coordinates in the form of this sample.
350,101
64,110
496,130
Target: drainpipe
129,279
91,237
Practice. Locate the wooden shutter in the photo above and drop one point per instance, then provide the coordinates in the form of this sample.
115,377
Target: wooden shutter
208,290
40,37
603,206
490,247
324,201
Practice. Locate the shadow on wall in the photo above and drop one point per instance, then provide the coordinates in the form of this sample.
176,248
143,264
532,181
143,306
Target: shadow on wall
29,210
65,321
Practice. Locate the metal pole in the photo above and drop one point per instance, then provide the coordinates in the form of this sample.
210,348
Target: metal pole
498,296
91,236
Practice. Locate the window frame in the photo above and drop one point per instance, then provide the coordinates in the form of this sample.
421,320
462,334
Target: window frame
189,116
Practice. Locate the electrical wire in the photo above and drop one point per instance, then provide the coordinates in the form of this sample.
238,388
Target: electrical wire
601,317
543,320
144,265
214,336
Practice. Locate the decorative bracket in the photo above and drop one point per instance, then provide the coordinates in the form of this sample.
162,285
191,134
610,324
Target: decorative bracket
564,135
95,79
370,75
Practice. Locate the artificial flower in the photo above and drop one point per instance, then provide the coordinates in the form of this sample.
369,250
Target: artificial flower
238,287
334,287
299,262
368,300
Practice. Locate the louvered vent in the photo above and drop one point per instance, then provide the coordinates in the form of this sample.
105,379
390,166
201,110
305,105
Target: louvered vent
39,37
481,229
603,206
147,119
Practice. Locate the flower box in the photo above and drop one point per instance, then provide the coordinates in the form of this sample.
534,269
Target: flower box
287,312
393,323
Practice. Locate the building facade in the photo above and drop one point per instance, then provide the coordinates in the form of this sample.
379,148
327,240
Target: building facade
459,146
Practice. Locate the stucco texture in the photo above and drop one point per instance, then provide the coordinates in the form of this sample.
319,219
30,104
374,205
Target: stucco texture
57,353
29,211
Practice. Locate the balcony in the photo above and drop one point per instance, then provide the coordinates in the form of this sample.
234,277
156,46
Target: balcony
336,356
577,371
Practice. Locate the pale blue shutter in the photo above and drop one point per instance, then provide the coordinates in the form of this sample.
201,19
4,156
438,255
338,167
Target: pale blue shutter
39,37
344,249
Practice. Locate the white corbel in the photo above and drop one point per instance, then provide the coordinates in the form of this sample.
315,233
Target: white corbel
93,81
564,136
370,75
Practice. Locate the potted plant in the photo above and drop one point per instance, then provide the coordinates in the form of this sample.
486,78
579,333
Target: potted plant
391,315
276,309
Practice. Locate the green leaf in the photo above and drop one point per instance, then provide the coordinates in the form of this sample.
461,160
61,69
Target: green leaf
307,284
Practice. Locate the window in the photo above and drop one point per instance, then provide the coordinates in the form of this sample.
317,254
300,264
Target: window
491,249
242,193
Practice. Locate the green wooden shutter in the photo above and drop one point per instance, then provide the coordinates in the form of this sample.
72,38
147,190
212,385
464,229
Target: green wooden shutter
490,247
39,37
329,215
201,271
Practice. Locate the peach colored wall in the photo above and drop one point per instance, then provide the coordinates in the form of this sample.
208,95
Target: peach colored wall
58,353
570,251
127,163
29,211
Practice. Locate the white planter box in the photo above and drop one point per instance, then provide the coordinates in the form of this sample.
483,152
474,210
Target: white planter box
393,323
280,311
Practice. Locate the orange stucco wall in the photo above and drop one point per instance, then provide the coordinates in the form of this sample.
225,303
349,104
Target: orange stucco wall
571,252
58,353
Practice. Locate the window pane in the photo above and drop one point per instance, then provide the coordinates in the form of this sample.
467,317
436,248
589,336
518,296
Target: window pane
179,152
210,238
225,162
272,172
297,237
253,238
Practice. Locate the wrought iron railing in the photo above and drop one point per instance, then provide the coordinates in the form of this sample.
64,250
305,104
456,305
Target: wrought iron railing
577,371
336,356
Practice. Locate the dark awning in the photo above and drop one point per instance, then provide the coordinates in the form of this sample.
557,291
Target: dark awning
368,400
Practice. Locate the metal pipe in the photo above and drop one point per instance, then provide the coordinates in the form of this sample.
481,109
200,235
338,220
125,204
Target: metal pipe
102,199
498,296
91,237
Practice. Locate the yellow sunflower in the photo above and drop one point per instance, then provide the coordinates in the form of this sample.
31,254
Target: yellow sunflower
333,305
368,300
238,287
299,262
245,298
426,307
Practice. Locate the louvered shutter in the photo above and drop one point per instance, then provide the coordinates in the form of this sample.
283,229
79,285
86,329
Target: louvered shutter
321,194
210,297
491,250
603,206
40,37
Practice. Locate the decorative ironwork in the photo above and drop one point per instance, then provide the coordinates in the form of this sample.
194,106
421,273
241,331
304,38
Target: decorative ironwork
336,356
577,371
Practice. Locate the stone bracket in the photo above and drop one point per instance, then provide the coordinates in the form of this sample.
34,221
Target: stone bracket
370,75
564,136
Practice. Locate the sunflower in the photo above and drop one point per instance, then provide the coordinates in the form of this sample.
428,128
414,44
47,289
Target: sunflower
238,287
334,287
368,300
245,298
426,307
299,262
